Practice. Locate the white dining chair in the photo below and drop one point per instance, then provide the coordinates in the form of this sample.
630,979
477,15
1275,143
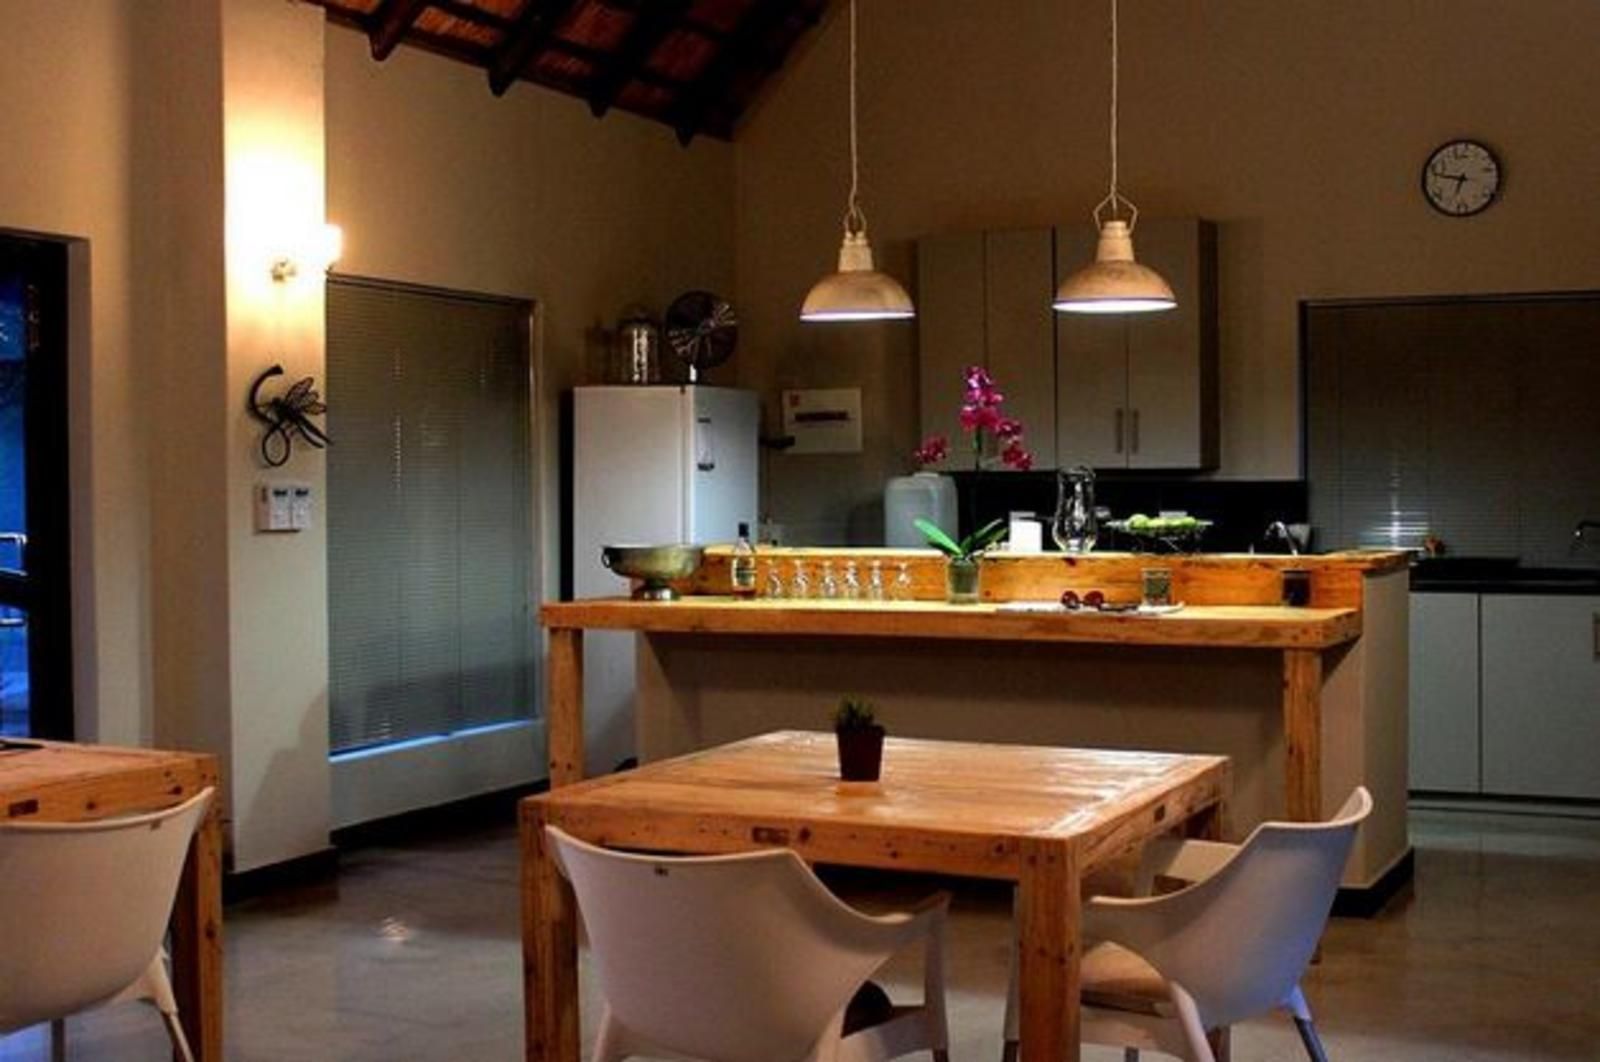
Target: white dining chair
744,958
84,908
1160,972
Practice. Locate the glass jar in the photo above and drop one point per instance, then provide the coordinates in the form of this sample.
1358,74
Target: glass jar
961,580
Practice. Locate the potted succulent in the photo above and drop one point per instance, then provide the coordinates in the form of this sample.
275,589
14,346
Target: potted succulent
961,572
860,740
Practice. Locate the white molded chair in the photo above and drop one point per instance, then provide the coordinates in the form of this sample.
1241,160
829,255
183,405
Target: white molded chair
84,908
744,958
1160,972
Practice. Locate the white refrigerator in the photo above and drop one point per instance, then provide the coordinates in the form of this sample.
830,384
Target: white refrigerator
651,465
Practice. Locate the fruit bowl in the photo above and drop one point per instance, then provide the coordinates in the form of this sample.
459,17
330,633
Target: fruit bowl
1157,534
654,566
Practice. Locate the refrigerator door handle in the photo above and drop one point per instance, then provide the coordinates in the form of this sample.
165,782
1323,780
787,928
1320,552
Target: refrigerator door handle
705,454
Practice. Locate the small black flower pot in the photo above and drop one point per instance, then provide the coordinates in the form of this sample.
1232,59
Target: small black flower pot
860,753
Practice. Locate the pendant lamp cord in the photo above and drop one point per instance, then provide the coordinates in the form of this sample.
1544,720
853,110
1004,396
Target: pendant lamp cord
1114,199
855,221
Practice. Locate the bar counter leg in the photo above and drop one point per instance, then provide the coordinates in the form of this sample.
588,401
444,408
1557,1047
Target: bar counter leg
1302,733
197,938
549,948
1049,941
564,719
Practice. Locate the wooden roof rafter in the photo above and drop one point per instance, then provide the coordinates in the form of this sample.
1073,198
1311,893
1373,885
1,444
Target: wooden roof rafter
651,24
539,21
694,65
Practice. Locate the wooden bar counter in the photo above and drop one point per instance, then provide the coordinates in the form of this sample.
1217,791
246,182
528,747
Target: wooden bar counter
712,668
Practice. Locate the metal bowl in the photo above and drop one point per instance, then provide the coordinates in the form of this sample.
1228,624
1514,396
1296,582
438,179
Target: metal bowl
654,566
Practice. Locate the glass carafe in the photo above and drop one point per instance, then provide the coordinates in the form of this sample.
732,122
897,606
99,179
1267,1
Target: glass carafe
1075,526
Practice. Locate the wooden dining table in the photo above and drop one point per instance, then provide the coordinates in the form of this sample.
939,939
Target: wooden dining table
47,781
1042,818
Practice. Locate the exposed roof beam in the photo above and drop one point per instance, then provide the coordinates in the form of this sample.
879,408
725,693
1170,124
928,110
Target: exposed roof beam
470,13
745,47
390,23
535,27
651,24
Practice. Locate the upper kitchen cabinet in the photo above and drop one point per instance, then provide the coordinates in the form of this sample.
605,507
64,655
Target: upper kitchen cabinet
983,298
1140,390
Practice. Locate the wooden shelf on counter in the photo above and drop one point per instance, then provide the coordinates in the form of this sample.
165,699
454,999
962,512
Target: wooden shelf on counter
1213,626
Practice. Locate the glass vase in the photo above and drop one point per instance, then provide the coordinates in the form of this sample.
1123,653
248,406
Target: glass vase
961,580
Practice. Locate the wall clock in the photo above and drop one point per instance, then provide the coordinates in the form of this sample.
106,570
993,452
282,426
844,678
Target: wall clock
1461,178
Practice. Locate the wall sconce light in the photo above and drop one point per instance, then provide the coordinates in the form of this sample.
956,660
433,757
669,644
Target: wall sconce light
320,250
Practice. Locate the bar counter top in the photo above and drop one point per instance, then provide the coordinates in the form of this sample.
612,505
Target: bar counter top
1217,626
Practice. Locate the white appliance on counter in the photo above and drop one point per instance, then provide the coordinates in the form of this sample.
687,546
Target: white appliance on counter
651,466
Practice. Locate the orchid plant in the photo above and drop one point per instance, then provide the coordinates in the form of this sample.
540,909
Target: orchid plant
982,414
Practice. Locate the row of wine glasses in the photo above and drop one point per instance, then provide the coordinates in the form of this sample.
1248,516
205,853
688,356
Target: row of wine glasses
831,581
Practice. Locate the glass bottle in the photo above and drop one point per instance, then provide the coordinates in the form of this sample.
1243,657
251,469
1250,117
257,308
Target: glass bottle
828,588
875,590
1076,525
744,564
800,585
902,583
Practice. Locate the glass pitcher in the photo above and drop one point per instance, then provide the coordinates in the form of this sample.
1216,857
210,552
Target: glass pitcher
1075,526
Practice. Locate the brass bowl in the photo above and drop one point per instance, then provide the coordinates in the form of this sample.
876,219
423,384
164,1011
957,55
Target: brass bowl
654,566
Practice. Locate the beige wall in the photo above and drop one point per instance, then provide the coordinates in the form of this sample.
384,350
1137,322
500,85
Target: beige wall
147,137
436,181
65,170
1299,127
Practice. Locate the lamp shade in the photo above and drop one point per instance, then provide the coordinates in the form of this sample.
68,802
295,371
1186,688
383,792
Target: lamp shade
857,292
1114,282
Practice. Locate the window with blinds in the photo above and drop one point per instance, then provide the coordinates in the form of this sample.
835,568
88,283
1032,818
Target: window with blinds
430,543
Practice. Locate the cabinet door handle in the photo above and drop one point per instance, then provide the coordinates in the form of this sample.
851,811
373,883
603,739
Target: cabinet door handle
1135,432
1119,429
1597,635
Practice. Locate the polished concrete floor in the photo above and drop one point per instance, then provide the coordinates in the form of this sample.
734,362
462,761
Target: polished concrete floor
414,955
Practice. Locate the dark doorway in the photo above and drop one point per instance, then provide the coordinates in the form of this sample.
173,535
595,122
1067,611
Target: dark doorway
35,601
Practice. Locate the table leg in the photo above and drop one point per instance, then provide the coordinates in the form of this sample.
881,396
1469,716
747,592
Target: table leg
1302,733
197,939
564,710
549,948
1049,925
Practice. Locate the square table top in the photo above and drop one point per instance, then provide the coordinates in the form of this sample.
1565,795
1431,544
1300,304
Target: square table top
943,806
59,780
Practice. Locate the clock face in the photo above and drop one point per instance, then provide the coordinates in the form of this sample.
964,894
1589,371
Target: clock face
1461,178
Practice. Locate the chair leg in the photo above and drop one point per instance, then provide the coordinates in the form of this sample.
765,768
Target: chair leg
1130,1054
1308,1036
1008,1051
58,1040
180,1042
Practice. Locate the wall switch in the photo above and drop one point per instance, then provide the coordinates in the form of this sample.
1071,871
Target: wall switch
823,421
300,507
283,506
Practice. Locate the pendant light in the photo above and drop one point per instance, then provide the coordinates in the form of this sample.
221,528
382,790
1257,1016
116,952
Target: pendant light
1114,282
857,292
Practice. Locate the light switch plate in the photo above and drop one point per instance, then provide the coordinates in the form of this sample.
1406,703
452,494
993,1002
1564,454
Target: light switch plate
825,421
282,506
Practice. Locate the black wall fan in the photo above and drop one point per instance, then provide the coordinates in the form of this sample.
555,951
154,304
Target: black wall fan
702,330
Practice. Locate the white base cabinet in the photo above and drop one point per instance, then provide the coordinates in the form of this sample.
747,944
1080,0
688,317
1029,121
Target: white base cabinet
1444,746
1541,696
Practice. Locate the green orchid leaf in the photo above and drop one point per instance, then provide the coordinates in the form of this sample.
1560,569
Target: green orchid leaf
937,538
983,538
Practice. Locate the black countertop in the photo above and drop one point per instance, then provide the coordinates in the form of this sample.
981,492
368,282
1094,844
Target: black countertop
1497,575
